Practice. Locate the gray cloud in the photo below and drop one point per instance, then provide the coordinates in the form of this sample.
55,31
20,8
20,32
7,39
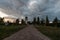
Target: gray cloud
31,8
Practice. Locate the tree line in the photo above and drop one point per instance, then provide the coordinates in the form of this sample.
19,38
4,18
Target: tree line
36,21
45,22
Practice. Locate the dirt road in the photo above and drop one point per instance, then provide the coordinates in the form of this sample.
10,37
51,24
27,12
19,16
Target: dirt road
28,33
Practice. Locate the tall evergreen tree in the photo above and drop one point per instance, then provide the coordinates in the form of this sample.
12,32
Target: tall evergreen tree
47,21
55,22
26,19
38,20
34,20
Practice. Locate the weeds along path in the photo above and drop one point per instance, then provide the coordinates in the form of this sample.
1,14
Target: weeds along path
28,33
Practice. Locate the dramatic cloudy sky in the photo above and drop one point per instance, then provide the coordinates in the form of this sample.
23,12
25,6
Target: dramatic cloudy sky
30,8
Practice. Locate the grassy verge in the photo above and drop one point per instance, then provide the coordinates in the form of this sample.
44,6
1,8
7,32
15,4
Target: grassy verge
52,32
6,31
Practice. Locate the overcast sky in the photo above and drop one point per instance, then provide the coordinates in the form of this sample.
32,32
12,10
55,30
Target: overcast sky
31,8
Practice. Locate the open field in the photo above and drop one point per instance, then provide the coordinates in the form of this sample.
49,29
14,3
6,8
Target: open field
28,33
6,31
52,32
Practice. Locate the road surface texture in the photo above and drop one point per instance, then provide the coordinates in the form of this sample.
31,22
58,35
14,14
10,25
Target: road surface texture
28,33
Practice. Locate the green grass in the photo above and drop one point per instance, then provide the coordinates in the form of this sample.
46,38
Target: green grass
6,31
51,32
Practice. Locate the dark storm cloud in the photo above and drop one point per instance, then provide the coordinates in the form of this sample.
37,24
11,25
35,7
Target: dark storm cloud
31,8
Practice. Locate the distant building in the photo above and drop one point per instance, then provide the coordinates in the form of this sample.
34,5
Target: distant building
9,19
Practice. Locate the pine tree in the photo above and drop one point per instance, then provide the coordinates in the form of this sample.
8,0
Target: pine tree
55,22
38,20
47,21
26,19
34,20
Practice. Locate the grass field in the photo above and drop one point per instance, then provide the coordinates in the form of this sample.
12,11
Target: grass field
6,31
51,32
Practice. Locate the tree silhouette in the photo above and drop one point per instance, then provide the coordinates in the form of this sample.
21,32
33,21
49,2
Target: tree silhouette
42,21
34,20
55,22
47,21
1,21
23,22
17,21
38,20
26,19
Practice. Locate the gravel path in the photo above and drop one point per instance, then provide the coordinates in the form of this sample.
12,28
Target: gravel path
28,33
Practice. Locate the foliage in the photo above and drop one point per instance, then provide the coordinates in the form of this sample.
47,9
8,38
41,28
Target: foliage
42,21
55,22
6,31
26,18
1,21
51,32
47,21
38,20
23,22
17,21
34,20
